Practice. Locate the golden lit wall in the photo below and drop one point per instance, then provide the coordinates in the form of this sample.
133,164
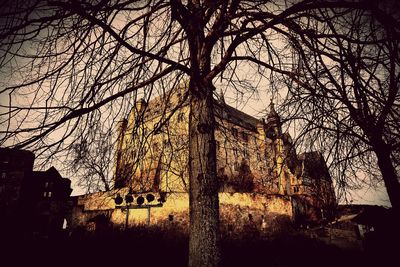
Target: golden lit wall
240,209
154,153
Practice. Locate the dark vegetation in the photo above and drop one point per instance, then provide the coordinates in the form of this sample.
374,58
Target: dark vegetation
154,247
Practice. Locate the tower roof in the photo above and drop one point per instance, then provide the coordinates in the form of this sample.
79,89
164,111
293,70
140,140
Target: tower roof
272,115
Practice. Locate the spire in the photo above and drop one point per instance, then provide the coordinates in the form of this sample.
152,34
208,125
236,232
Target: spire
272,112
272,106
273,123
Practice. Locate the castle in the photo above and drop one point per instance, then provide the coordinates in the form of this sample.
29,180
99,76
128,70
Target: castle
259,172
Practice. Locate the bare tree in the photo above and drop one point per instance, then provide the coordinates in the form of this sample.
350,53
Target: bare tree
70,65
93,164
344,94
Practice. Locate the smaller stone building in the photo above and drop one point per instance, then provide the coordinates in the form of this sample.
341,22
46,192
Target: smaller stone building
15,168
31,202
48,199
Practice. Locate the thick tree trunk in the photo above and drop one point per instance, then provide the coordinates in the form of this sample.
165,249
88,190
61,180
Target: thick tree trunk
204,205
388,171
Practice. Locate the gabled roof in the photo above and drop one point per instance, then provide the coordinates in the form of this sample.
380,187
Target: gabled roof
226,112
314,165
222,110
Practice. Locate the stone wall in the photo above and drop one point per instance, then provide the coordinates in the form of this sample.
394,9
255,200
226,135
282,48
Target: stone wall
240,212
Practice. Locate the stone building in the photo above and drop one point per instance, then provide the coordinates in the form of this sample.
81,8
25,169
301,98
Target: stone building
49,198
260,174
15,168
31,202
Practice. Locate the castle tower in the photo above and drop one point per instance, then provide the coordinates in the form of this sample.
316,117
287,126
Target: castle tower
140,105
123,171
276,149
119,159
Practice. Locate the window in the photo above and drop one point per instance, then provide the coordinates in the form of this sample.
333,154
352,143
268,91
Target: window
307,180
217,145
155,147
156,130
245,137
234,132
65,224
235,152
3,175
46,184
271,134
47,194
181,117
236,166
245,153
166,143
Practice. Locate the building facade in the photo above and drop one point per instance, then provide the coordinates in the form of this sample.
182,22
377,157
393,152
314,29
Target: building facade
253,156
31,202
15,168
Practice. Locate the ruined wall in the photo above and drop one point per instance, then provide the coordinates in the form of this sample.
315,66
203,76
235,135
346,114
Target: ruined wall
240,212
